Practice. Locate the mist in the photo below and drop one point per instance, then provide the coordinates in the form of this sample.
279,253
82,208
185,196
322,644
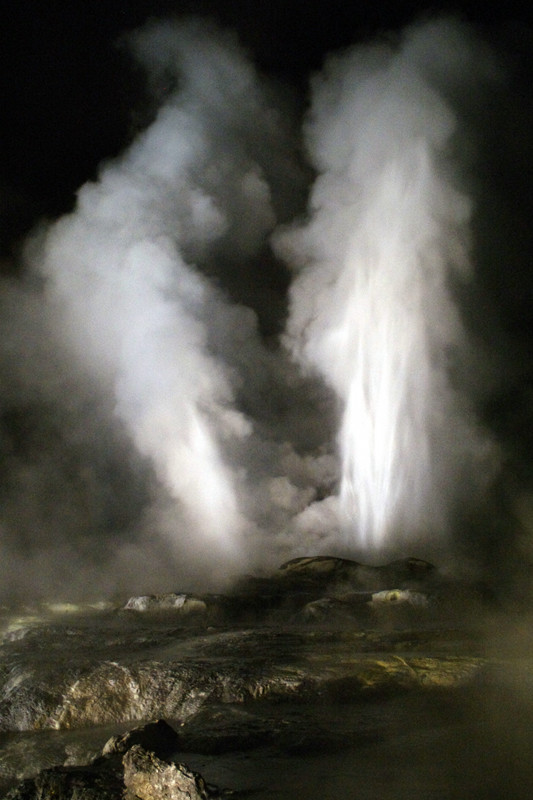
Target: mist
172,413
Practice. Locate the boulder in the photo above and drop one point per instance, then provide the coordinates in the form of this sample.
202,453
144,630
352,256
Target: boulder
398,597
354,607
158,737
330,610
338,573
182,603
146,777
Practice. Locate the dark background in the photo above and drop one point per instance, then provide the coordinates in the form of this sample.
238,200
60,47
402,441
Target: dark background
71,97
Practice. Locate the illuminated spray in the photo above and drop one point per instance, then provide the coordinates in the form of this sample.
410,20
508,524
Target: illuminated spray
371,310
124,292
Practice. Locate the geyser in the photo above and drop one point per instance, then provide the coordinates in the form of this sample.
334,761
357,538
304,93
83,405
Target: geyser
124,284
372,309
128,340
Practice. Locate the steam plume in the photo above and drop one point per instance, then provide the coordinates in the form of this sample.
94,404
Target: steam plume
372,309
152,439
124,291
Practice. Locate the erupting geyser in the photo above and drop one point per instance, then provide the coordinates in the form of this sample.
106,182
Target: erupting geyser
123,285
135,338
372,310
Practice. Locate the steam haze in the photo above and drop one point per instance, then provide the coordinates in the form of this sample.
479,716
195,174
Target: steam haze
201,377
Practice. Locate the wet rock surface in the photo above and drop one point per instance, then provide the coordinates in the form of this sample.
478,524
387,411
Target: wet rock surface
131,766
324,657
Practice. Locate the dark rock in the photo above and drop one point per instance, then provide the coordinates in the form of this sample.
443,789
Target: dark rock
355,607
304,580
319,565
340,573
101,782
296,583
158,737
331,610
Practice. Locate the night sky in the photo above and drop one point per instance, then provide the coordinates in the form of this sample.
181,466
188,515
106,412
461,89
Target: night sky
71,97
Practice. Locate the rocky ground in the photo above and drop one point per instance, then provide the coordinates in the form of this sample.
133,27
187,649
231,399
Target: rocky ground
326,679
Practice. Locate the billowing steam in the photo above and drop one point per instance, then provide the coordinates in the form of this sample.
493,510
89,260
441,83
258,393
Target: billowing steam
372,309
153,437
123,287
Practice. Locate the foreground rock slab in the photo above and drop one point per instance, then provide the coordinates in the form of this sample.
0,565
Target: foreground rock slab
234,667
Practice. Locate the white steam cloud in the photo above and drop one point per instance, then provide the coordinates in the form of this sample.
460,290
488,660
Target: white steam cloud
372,309
122,285
185,448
